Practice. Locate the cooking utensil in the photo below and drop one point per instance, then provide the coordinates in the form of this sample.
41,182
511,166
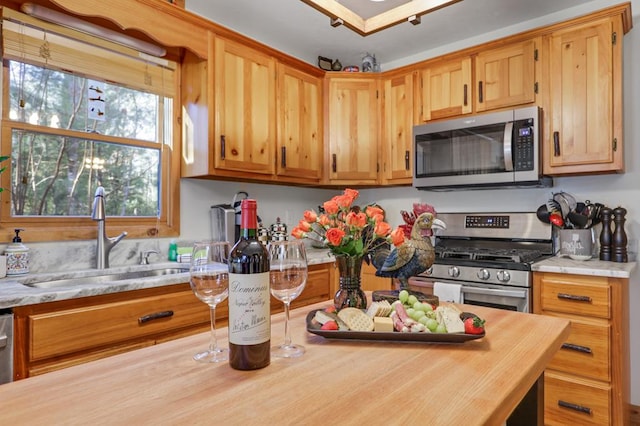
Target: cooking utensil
566,201
579,221
556,219
543,213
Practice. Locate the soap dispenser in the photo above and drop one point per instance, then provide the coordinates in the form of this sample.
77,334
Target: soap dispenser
17,256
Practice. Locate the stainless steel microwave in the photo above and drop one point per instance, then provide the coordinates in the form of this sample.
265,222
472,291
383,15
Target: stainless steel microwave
499,149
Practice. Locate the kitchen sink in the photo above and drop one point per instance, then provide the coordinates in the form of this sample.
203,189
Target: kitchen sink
104,278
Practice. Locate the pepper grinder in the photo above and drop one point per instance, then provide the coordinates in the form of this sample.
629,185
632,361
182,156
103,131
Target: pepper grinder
619,236
605,235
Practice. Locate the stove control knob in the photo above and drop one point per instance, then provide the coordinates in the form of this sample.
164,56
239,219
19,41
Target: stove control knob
504,276
454,272
483,274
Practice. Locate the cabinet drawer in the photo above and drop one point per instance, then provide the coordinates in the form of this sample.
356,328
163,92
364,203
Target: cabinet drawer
585,352
589,297
570,401
67,331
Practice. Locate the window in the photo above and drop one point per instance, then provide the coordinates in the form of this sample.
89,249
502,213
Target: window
82,113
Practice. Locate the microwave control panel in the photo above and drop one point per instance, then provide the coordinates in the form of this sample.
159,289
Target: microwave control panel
523,149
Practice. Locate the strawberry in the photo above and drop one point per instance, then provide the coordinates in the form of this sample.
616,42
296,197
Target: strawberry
330,309
329,325
474,325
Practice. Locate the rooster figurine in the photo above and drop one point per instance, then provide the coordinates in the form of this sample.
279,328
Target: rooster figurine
413,256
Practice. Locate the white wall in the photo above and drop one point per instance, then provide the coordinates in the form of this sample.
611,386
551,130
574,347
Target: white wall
611,190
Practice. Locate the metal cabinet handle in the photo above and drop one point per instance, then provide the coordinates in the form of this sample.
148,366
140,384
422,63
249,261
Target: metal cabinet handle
156,315
577,348
406,160
465,100
574,297
480,92
556,144
575,407
222,147
283,157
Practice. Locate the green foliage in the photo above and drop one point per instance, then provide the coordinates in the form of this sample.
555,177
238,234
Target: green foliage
56,174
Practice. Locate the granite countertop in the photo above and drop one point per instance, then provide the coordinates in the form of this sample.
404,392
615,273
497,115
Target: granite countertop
594,266
13,293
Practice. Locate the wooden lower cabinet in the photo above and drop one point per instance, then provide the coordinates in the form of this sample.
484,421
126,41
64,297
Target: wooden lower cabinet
588,380
371,282
56,335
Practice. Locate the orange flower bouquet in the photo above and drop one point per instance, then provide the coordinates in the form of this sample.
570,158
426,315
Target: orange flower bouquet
347,229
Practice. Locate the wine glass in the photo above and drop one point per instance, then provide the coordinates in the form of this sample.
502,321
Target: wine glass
210,283
288,276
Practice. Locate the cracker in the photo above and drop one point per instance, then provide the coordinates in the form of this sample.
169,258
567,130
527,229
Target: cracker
356,319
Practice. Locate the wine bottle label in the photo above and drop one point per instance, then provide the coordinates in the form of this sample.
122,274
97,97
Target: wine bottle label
249,310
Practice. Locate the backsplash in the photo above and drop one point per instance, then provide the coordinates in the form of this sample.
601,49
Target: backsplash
78,255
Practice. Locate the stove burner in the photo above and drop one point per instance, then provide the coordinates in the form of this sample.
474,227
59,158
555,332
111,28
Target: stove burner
488,254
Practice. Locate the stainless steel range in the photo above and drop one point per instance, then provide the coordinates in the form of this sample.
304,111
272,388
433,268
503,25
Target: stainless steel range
489,255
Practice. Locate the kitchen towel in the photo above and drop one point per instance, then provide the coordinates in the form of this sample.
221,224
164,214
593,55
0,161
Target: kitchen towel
448,292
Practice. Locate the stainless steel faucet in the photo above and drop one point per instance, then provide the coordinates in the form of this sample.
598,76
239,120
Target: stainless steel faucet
105,244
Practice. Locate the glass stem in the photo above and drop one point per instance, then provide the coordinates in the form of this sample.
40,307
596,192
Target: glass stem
287,334
213,343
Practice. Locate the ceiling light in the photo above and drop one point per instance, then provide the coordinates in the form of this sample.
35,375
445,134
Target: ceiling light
68,21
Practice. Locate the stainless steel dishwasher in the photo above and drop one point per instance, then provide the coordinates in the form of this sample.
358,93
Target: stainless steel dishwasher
6,347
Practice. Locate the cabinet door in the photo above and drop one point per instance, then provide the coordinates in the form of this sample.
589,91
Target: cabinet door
299,148
397,130
505,76
444,90
585,132
353,130
245,109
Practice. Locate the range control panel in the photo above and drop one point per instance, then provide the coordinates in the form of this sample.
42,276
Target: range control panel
487,221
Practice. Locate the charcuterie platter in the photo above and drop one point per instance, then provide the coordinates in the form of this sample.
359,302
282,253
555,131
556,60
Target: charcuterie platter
392,336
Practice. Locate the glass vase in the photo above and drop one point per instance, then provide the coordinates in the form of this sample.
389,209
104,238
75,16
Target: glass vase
349,273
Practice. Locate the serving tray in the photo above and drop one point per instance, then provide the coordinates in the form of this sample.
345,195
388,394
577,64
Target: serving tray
388,336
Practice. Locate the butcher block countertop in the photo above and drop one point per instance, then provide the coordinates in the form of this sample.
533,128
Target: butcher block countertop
478,382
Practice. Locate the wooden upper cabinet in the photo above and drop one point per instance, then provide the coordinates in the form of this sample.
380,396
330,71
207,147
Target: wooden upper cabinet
352,127
245,109
397,119
300,142
584,109
505,76
444,90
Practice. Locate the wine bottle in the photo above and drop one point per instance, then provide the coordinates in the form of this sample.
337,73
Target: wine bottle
249,308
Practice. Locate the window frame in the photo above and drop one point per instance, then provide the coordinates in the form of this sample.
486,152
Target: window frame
50,228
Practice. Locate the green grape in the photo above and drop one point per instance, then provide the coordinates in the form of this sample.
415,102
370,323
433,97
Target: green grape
412,300
418,306
410,312
418,314
441,328
427,307
403,296
431,324
424,320
431,314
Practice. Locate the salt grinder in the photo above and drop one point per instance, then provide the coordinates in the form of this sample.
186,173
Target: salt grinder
605,235
619,236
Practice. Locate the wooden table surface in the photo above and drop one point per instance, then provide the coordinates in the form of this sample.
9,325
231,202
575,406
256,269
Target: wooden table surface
348,382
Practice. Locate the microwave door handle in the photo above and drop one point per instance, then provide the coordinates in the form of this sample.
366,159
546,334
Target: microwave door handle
507,145
494,292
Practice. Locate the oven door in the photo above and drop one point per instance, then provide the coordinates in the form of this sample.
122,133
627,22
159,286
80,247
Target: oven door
481,294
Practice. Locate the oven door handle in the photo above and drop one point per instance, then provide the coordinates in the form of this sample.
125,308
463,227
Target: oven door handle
495,292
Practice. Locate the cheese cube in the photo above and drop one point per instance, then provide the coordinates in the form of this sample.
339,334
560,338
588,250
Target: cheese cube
382,324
